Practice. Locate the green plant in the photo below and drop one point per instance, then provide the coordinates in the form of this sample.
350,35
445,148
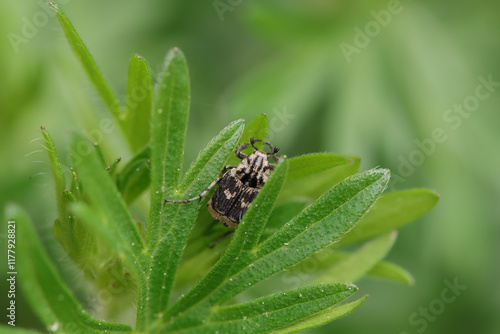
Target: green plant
311,206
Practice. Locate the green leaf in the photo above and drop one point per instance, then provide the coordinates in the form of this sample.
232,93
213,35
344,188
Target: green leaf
89,64
391,212
100,153
246,235
256,129
313,174
139,103
168,132
393,272
112,168
322,317
134,178
75,186
75,238
329,218
177,219
276,310
318,226
359,262
104,197
49,297
55,166
107,267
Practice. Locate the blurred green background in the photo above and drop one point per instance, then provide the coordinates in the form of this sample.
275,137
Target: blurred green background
413,86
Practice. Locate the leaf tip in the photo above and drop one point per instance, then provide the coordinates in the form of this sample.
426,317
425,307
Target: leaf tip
177,52
53,6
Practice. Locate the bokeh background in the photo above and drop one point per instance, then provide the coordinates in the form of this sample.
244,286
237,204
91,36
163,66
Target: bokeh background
413,86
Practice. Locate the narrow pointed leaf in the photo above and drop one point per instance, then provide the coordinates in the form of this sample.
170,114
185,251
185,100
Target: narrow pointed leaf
89,64
313,174
331,216
104,196
391,212
76,239
100,153
96,223
322,317
139,103
359,262
112,168
134,178
393,272
276,310
311,164
177,219
168,132
75,186
54,303
319,225
55,166
123,285
244,238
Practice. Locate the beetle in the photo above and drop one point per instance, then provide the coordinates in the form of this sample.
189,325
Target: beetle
239,184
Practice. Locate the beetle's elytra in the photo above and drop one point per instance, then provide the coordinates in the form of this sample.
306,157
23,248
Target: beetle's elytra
239,185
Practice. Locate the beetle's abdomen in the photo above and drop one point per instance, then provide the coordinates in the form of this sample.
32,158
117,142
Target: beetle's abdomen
231,200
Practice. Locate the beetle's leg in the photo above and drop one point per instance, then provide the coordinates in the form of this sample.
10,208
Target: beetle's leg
227,167
275,157
270,146
253,141
274,150
240,148
217,180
